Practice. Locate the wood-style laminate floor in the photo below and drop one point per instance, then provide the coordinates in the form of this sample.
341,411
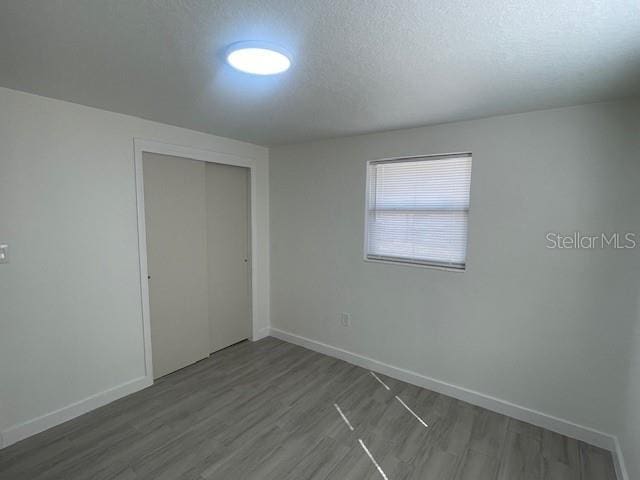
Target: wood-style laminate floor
272,410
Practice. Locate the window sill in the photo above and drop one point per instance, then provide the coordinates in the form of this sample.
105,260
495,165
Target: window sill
418,265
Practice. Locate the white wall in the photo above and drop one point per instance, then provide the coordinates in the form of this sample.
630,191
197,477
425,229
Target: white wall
548,330
629,424
70,304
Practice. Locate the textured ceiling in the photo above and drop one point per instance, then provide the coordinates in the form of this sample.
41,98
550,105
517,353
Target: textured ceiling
359,66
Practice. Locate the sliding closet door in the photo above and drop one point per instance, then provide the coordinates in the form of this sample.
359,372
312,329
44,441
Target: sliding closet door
228,252
176,222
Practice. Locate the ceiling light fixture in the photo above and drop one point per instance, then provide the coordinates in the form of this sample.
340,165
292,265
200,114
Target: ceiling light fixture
258,58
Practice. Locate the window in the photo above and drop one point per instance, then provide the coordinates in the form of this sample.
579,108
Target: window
418,210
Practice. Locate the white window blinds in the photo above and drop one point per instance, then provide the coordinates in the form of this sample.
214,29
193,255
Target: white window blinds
418,209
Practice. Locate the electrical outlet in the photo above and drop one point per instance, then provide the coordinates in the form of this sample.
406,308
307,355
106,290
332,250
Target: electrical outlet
345,319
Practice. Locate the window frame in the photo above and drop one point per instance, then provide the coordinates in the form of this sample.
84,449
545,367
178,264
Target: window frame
408,262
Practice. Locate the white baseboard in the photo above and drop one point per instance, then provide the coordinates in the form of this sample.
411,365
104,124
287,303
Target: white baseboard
26,429
549,422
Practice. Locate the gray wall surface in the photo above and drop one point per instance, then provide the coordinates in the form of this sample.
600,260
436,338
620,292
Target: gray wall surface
629,429
550,330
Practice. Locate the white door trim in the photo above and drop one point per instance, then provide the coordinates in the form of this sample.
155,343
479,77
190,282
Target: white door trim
152,146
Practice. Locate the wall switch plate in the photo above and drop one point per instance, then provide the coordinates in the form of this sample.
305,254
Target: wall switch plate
4,253
345,319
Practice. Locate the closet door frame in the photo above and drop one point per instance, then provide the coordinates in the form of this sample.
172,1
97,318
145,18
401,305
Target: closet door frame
151,146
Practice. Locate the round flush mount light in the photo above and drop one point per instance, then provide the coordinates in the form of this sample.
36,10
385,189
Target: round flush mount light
258,58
